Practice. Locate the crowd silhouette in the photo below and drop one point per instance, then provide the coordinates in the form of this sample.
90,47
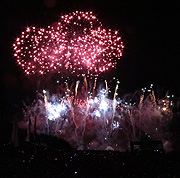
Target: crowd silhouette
48,156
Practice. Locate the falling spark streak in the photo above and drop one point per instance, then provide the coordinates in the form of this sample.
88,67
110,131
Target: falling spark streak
106,88
70,103
46,108
86,84
132,122
114,99
67,89
153,98
114,103
94,87
141,101
76,89
71,109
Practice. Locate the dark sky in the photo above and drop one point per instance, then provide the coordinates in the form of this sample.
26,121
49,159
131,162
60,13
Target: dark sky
149,29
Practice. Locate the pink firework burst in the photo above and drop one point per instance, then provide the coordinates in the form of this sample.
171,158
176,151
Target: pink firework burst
77,43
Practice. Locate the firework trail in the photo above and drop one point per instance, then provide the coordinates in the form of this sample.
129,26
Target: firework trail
94,87
76,89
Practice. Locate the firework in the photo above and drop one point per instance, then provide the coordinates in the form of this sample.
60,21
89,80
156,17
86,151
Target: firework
77,43
96,122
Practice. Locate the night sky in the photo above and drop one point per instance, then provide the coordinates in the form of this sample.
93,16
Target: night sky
150,32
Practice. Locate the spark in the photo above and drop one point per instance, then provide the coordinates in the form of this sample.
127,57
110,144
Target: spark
164,108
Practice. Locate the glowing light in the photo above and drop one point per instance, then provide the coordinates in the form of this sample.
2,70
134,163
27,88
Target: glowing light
97,113
116,124
44,91
55,110
103,105
164,109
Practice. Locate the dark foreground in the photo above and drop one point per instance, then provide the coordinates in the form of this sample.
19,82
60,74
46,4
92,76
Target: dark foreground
44,161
